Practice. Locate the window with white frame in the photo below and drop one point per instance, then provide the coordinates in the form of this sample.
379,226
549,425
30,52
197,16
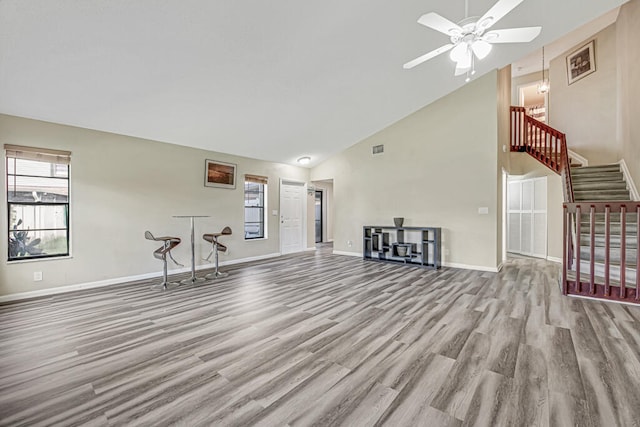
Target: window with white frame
37,202
255,206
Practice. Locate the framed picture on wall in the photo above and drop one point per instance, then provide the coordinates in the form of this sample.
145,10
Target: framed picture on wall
219,174
581,62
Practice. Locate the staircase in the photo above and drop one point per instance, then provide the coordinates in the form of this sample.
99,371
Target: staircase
596,184
601,224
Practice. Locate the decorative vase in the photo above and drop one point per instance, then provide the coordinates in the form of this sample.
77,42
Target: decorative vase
402,250
398,221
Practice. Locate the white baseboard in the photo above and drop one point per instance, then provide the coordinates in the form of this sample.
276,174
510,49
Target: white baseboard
310,249
241,260
472,267
554,259
119,280
358,254
583,160
77,287
627,177
444,264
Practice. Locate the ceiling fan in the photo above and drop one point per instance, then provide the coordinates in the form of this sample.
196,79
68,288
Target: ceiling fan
470,38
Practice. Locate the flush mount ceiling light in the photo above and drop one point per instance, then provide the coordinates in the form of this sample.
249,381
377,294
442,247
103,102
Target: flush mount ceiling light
470,38
304,160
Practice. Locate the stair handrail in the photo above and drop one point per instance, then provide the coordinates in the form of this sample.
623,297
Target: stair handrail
544,143
565,173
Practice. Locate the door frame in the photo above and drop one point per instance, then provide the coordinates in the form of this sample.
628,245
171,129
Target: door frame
533,212
521,88
303,184
315,197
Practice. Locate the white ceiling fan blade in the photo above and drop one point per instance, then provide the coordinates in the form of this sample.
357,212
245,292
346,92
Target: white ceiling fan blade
419,60
512,35
439,23
493,15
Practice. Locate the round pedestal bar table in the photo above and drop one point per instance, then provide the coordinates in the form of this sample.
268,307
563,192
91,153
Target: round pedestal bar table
193,279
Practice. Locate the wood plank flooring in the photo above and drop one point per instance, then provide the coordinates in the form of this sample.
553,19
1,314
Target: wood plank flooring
322,339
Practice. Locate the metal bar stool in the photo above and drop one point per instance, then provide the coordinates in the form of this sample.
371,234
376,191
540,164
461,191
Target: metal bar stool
161,253
217,247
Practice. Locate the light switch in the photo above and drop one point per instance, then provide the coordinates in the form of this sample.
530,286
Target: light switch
483,211
274,212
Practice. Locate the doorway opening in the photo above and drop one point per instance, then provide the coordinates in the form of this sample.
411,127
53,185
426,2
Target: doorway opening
324,212
318,216
535,103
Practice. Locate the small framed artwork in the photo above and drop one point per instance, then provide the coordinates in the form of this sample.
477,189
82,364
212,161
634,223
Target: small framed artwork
219,174
581,62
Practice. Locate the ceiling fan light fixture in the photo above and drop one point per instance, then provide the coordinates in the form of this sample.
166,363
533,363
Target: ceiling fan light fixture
481,48
465,62
459,53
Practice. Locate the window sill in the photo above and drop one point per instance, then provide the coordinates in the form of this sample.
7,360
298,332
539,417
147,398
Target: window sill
23,261
260,239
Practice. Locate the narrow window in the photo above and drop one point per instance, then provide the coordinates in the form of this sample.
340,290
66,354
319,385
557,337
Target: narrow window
37,202
255,205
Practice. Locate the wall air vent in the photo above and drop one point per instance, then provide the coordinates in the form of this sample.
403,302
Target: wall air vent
378,149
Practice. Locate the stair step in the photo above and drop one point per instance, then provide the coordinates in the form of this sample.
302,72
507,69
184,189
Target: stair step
614,241
614,255
614,228
595,169
600,185
614,217
587,196
599,277
600,177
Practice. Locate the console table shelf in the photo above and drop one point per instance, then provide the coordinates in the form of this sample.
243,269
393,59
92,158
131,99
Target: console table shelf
412,245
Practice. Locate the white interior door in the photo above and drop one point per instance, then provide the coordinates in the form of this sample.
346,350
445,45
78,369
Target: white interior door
292,215
527,217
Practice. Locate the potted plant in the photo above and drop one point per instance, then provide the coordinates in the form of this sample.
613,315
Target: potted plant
20,244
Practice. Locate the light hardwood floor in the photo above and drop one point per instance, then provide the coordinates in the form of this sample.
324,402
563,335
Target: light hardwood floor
322,339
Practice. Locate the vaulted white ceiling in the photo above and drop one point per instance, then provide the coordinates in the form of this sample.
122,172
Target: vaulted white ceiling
272,80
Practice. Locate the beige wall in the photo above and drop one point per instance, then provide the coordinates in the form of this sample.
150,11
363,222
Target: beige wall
438,168
122,186
586,110
502,149
524,80
628,34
